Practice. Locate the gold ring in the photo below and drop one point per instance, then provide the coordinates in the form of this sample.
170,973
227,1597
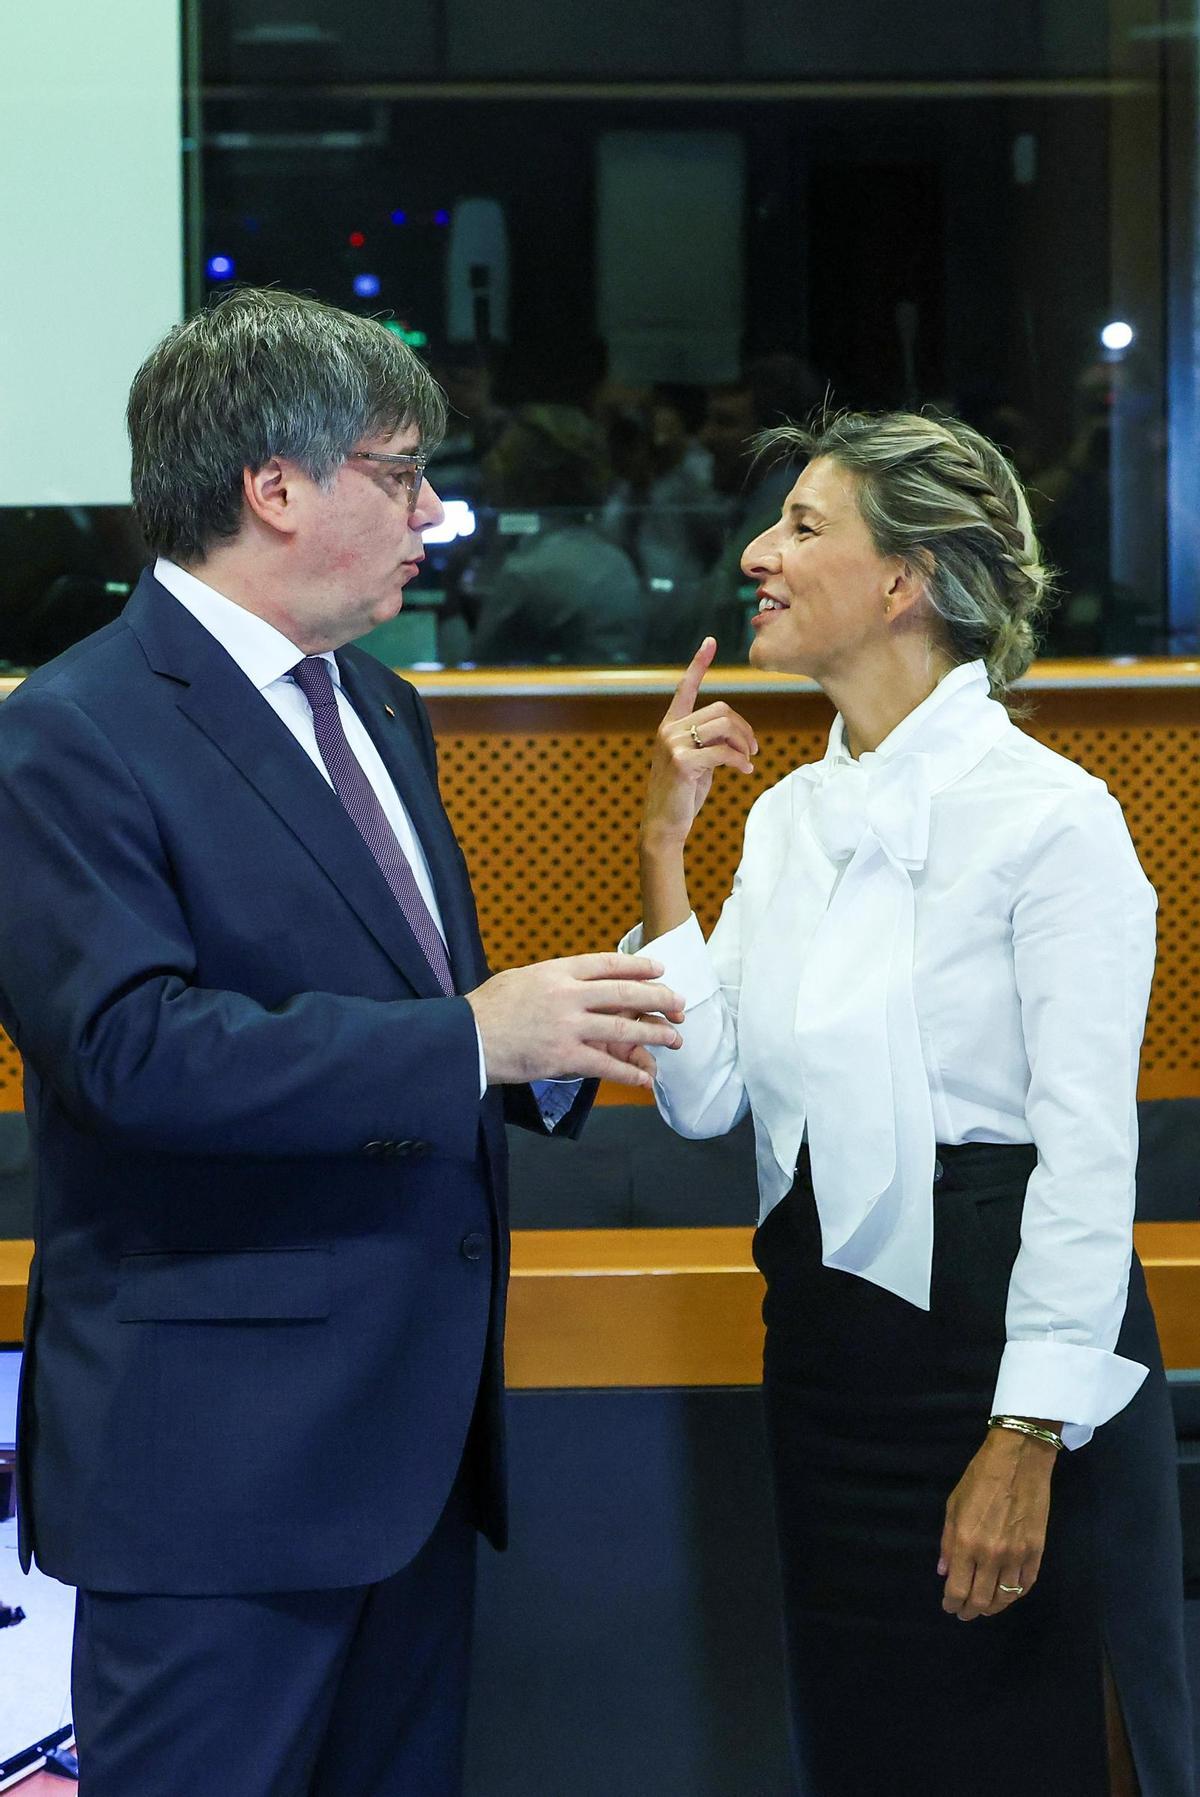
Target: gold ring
1012,1590
696,737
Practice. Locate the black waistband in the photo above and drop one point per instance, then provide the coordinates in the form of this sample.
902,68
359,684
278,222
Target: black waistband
968,1166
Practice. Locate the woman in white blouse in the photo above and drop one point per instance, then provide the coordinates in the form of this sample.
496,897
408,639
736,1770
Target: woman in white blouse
928,987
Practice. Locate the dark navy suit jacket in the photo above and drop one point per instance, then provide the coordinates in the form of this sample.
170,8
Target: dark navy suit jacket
267,1297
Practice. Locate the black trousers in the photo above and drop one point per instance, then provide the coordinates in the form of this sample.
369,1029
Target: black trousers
874,1410
345,1693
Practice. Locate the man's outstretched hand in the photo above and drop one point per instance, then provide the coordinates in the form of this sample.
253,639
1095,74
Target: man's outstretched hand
584,1016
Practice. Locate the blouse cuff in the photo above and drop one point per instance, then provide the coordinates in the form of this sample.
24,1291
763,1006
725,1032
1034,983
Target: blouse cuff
687,965
1082,1387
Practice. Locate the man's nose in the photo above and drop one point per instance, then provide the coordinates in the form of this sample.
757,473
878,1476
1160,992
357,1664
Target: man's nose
429,509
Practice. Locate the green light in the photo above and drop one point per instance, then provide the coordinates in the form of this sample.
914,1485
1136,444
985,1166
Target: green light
414,339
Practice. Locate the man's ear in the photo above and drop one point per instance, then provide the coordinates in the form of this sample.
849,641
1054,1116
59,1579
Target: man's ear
271,494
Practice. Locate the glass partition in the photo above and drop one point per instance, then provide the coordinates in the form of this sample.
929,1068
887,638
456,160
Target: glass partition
625,251
560,586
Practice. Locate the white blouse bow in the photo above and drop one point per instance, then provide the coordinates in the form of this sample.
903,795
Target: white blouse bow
857,1031
856,1026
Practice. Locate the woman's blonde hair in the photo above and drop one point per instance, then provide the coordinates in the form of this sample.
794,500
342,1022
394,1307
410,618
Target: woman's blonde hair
942,496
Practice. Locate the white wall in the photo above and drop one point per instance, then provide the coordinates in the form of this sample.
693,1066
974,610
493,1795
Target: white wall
90,235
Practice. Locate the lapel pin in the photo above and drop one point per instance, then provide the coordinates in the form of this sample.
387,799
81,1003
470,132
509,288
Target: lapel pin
389,711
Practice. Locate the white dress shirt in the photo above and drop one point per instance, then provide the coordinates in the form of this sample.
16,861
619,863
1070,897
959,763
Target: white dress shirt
266,657
948,940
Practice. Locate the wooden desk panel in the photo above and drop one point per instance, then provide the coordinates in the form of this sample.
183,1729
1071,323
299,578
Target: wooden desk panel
1170,1253
646,1307
14,1277
651,1307
630,1307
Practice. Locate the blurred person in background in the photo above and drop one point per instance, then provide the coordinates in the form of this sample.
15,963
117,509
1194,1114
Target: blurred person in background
558,590
1085,523
677,535
662,508
473,423
772,389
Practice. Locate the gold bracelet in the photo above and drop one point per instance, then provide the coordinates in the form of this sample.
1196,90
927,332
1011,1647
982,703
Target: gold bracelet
1023,1428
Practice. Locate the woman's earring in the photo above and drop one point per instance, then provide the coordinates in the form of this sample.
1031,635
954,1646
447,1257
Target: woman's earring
887,608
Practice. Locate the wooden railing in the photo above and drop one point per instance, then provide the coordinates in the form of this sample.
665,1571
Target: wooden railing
678,1307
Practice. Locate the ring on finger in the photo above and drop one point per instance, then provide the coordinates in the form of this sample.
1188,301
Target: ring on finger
1012,1590
696,737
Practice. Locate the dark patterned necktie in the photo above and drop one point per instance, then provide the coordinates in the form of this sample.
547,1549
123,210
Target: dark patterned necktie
353,788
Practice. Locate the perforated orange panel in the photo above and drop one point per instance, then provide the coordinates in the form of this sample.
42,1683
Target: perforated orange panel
547,813
545,794
10,1075
1146,746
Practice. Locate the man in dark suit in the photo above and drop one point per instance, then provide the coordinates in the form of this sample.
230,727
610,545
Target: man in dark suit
267,1078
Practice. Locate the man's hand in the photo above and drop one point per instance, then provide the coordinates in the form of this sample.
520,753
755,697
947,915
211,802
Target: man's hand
583,1016
995,1529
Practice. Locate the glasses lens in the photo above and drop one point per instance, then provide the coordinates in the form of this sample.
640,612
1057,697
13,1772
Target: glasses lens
411,473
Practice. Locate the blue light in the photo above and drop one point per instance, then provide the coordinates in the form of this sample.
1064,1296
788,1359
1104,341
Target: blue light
220,268
399,218
441,218
366,286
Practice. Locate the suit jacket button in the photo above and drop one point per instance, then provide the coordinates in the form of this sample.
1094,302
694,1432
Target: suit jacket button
938,1171
374,1148
473,1246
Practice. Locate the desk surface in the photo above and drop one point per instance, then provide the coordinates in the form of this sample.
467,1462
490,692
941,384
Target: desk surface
660,1307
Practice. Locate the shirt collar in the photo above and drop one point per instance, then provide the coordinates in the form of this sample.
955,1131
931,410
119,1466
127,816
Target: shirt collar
263,653
958,695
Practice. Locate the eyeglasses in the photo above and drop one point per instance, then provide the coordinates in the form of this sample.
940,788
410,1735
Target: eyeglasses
410,470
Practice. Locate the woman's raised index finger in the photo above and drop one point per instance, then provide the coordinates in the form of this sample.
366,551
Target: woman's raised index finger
688,689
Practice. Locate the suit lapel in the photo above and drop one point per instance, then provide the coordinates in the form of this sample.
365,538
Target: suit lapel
401,756
224,704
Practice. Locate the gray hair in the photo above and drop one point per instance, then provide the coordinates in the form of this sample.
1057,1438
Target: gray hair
942,496
263,373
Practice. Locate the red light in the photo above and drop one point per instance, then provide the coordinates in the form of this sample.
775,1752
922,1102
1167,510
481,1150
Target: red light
356,240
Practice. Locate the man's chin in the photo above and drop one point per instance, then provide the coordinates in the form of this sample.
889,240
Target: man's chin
384,610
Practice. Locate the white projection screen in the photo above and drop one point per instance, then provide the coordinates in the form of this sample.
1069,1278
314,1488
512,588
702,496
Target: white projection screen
91,258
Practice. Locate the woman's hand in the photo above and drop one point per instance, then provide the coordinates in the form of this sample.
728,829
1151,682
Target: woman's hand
689,747
995,1529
